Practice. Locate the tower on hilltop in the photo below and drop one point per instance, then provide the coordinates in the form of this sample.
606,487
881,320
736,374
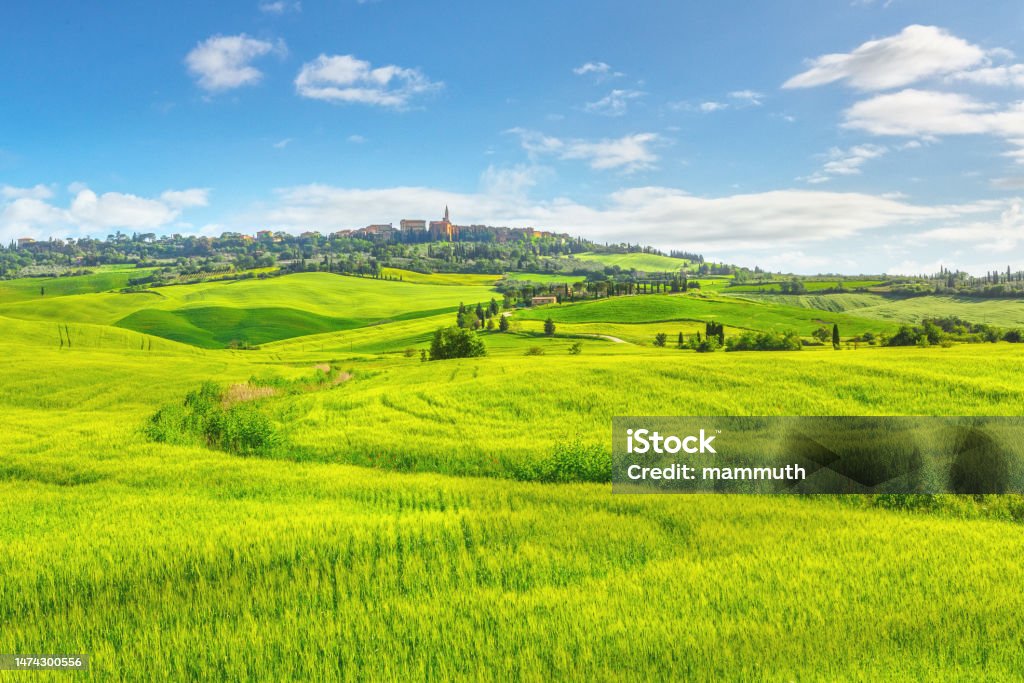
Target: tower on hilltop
443,230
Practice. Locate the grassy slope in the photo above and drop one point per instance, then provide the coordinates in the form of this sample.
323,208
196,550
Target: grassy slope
461,279
652,263
175,562
213,314
27,289
734,312
1000,312
811,285
170,562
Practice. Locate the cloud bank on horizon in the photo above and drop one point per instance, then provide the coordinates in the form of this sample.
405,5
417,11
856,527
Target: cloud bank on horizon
892,151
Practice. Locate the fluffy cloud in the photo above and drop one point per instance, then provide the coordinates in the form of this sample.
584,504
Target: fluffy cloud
846,162
661,216
31,215
628,153
37,192
711,105
928,113
280,7
916,53
614,103
992,236
343,78
186,199
750,98
224,62
591,68
1007,75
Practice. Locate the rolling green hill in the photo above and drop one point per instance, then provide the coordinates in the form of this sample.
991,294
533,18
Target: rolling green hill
104,280
388,529
734,312
213,314
652,263
993,311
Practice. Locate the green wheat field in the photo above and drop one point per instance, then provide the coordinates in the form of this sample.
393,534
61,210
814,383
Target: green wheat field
409,520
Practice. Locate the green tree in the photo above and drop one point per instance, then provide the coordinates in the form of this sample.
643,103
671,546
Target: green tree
549,327
660,339
821,334
680,343
503,324
456,342
835,336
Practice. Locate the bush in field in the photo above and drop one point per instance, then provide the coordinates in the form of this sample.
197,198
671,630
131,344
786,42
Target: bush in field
203,418
534,351
569,461
764,341
456,342
660,339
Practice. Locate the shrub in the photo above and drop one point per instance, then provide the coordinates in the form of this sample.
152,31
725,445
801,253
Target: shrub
534,351
202,418
576,349
764,341
569,461
456,342
660,339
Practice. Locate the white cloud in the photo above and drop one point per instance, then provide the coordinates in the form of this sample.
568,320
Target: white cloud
224,62
1007,75
343,78
748,97
596,68
37,192
661,216
628,153
614,103
356,139
118,210
280,7
510,182
1009,183
710,106
1000,235
186,199
917,113
281,144
33,216
916,53
846,162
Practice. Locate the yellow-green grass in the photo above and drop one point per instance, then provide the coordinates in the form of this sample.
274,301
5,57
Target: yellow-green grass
28,289
213,314
483,416
171,563
547,278
810,285
650,263
633,333
993,311
461,279
734,312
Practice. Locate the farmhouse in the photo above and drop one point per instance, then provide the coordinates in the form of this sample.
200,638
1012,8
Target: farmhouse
543,300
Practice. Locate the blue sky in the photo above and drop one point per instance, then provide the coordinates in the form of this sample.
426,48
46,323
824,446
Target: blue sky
827,136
